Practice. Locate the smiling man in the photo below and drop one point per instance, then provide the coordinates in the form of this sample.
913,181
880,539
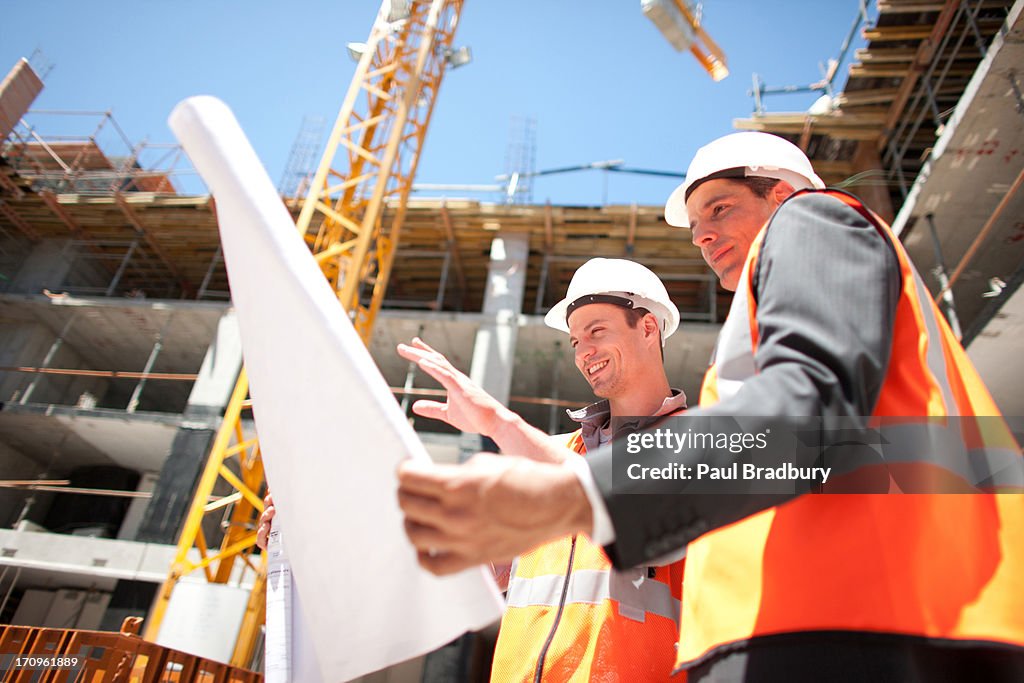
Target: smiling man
570,616
829,321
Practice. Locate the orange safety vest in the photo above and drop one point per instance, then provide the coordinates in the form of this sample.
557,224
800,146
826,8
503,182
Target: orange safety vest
938,566
588,622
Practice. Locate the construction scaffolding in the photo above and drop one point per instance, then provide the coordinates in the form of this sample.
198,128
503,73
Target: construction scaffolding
100,161
901,88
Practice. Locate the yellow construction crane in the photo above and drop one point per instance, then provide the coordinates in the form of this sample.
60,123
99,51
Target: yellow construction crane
679,22
370,162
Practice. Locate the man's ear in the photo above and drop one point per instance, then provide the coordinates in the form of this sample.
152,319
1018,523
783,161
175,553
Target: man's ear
781,190
651,326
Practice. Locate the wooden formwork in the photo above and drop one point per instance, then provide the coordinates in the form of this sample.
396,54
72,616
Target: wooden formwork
50,655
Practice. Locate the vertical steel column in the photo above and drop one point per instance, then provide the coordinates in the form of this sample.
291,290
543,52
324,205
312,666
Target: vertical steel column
410,378
10,589
443,285
209,273
158,346
121,268
542,286
54,348
948,305
555,371
930,98
972,21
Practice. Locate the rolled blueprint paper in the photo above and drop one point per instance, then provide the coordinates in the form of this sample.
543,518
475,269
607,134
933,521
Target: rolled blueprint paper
330,431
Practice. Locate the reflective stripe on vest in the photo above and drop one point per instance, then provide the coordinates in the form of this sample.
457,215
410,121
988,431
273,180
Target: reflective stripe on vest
947,567
606,624
635,593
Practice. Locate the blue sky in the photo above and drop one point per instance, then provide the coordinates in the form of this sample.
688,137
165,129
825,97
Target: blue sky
598,77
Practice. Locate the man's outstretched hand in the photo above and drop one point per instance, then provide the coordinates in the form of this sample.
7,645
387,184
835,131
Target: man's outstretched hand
489,509
468,408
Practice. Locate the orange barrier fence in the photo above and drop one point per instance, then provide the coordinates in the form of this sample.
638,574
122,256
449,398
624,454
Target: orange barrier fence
49,655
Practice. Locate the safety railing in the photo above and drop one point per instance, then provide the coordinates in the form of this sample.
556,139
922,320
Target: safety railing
44,655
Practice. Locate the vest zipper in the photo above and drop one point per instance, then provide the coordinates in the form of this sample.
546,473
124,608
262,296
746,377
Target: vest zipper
538,674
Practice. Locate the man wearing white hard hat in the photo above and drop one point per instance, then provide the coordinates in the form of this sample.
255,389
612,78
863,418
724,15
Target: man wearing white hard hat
569,615
831,321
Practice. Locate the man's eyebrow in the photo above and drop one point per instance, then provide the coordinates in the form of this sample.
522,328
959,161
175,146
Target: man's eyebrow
711,200
588,326
716,198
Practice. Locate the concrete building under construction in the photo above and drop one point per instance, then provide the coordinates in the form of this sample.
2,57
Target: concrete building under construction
119,351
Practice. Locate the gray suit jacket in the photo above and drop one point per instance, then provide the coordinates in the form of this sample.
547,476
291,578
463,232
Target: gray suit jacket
826,285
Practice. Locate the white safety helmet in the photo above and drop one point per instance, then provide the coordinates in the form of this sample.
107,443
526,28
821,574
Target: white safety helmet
616,281
742,155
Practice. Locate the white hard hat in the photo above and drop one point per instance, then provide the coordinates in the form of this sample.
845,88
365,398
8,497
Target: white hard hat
742,155
616,281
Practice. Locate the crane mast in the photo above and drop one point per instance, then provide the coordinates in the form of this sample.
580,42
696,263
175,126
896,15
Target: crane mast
368,165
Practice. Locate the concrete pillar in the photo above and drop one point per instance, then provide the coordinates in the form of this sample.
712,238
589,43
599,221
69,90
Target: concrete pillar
173,493
46,266
219,371
495,345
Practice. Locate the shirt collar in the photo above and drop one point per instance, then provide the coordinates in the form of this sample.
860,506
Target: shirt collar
597,415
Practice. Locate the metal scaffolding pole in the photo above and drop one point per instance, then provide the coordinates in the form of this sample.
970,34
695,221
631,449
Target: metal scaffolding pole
948,305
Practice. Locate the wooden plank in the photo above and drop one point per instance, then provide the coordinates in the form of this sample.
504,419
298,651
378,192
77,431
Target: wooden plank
885,54
908,7
858,98
886,33
904,7
895,71
65,217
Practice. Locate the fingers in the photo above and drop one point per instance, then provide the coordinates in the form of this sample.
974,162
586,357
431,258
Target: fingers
436,532
428,539
445,375
409,353
435,365
424,479
443,564
417,351
266,518
263,531
418,355
268,513
422,511
419,343
431,409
